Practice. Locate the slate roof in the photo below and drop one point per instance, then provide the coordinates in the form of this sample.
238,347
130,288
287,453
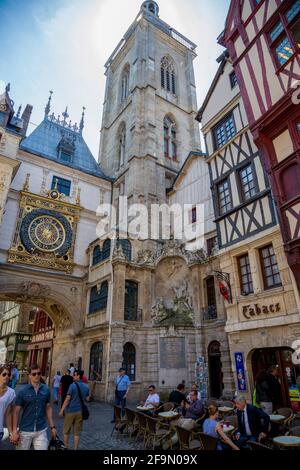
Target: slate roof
44,141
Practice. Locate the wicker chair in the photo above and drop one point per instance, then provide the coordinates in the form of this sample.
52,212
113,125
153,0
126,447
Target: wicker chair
132,422
185,439
207,442
169,406
295,431
120,421
257,446
287,413
141,427
155,435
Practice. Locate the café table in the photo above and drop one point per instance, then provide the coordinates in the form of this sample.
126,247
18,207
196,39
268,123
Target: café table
276,418
225,410
168,415
287,441
227,428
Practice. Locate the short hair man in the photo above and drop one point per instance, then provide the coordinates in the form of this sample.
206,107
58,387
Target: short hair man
177,396
122,386
194,409
34,401
72,408
253,423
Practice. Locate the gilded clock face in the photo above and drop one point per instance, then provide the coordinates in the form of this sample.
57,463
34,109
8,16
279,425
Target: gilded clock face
47,233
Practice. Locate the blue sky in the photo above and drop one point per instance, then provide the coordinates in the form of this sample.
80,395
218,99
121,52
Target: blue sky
63,44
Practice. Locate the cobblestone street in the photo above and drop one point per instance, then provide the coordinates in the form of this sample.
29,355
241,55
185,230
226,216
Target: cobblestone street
97,430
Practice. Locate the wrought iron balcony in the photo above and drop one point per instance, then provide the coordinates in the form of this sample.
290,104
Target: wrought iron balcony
133,314
210,313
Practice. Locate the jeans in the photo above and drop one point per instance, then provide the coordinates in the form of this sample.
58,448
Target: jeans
14,383
242,442
121,401
39,439
55,393
1,435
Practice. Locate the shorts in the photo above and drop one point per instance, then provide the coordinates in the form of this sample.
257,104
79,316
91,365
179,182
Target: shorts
73,420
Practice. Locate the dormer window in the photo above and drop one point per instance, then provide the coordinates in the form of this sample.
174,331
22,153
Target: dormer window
66,149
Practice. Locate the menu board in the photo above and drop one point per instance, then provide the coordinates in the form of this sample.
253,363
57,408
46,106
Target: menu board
172,353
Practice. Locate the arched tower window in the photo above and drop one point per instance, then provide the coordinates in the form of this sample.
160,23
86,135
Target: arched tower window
98,299
121,145
167,74
97,256
126,248
131,301
106,249
125,83
96,360
129,360
170,138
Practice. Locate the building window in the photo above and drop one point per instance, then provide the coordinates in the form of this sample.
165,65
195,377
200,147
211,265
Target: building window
98,299
245,275
63,186
131,301
121,145
285,35
97,255
233,80
170,136
224,131
129,360
270,268
210,312
96,361
167,74
211,244
224,197
125,83
247,182
106,249
126,248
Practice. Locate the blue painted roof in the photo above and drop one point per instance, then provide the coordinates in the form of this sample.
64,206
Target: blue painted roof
44,141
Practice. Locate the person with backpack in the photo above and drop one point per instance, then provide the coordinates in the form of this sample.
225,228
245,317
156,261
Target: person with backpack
74,409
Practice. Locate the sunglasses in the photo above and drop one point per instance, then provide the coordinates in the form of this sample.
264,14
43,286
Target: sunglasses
35,373
4,374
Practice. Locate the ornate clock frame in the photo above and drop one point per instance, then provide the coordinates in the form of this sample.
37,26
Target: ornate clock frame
45,231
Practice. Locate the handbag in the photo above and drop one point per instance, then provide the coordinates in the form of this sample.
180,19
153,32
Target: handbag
85,410
56,444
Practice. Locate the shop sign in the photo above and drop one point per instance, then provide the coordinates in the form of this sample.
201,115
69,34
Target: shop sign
44,336
250,311
240,371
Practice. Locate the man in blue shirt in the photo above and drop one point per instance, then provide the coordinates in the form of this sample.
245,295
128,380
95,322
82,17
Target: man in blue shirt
34,400
122,384
72,408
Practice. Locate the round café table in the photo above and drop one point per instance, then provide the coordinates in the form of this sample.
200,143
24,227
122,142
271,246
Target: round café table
276,418
225,410
168,415
145,408
287,441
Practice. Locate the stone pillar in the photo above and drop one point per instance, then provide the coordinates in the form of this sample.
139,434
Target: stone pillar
5,180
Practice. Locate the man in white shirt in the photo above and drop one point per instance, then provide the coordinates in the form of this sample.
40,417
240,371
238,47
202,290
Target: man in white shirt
153,398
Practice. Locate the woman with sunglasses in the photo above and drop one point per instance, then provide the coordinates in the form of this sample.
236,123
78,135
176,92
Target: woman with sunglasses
7,396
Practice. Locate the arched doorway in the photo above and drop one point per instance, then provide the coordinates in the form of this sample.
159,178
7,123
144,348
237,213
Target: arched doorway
215,370
262,359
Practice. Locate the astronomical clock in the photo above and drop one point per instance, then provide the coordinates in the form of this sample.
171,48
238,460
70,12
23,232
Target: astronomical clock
45,233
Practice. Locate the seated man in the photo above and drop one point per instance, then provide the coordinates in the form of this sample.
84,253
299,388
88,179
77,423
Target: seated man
152,399
177,396
194,409
253,423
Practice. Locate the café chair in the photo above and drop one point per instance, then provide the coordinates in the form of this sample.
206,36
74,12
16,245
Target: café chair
186,440
294,431
141,427
207,442
132,422
257,446
155,435
120,421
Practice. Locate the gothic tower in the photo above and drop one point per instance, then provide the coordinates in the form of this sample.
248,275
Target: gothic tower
148,127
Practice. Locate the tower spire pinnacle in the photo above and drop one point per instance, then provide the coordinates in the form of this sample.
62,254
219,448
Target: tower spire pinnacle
81,125
47,109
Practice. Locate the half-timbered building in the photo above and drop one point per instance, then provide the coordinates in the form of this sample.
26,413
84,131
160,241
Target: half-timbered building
263,38
263,306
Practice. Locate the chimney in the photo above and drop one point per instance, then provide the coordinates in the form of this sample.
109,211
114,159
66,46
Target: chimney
26,118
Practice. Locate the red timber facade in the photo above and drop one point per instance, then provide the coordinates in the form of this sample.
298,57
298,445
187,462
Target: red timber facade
40,348
263,41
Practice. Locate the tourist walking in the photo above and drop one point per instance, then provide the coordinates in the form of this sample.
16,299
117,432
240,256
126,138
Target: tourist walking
122,384
72,409
56,382
7,396
65,382
34,401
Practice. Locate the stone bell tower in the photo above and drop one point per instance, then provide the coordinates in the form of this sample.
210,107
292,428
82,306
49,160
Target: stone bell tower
148,127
